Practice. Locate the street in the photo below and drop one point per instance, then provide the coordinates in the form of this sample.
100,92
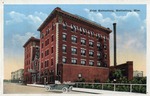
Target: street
14,88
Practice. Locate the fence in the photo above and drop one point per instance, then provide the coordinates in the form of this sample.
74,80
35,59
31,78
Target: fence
141,88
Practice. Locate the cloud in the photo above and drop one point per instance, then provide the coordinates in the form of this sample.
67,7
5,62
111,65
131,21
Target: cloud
19,40
34,19
131,32
131,29
15,18
99,18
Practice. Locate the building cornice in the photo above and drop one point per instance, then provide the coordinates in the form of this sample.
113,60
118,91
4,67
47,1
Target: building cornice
79,18
31,39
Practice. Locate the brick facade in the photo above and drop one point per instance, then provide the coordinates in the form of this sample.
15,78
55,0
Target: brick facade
76,44
29,57
76,73
126,68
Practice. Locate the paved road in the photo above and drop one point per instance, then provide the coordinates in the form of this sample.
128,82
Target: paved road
12,88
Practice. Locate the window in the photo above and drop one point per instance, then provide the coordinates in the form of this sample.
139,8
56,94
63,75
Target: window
64,37
52,39
46,42
105,56
64,25
74,39
52,49
83,52
91,53
73,60
42,44
47,32
91,43
105,47
41,65
74,50
92,34
46,63
64,59
83,62
52,63
73,28
98,55
52,26
91,63
84,31
98,63
64,48
41,35
81,30
98,45
105,39
46,52
83,41
42,55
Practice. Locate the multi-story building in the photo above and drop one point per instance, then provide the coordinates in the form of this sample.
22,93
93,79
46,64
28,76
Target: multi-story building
72,48
31,60
17,75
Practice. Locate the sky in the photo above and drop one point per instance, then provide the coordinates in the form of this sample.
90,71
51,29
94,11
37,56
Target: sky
22,21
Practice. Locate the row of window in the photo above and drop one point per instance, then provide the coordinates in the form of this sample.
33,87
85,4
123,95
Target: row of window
84,31
47,41
83,51
47,52
46,63
83,62
83,41
27,55
47,31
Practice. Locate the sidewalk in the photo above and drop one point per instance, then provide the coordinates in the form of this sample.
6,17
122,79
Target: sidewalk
94,91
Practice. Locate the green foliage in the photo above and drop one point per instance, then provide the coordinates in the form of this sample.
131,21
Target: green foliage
108,87
139,89
88,86
138,80
117,74
97,86
125,88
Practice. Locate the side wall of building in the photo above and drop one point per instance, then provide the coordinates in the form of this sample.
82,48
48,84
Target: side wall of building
126,68
87,73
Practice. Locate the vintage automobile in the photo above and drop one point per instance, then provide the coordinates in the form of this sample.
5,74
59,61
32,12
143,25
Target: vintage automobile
65,87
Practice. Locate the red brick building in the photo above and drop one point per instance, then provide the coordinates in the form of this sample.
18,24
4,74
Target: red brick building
126,68
31,60
73,48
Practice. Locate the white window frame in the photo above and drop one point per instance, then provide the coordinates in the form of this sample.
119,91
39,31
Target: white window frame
64,58
64,39
83,52
91,43
64,46
91,62
91,52
82,60
73,50
74,39
99,63
74,60
83,41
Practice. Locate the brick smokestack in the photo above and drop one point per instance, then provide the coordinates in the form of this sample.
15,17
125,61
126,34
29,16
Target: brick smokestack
115,59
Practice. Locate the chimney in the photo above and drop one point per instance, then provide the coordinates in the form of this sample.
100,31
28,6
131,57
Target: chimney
115,59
